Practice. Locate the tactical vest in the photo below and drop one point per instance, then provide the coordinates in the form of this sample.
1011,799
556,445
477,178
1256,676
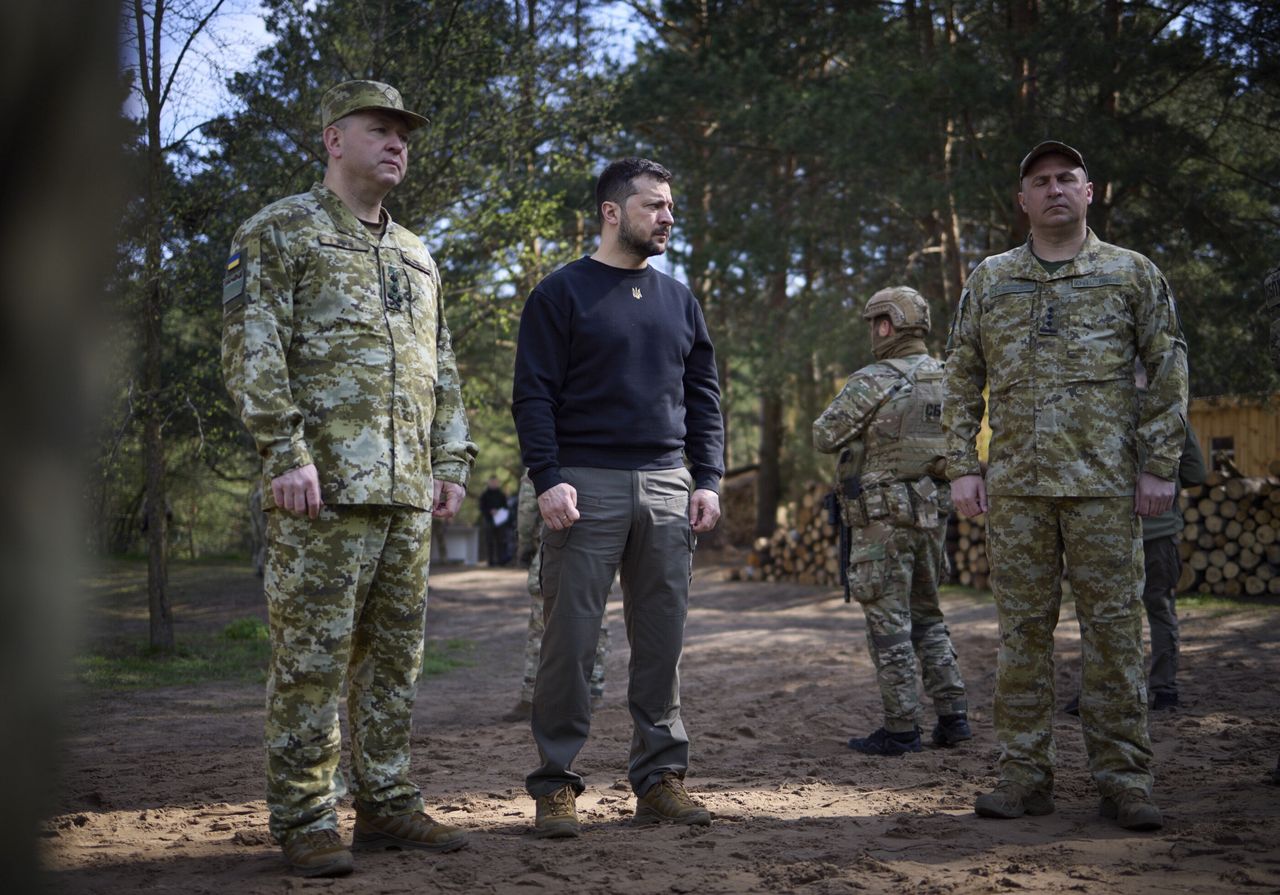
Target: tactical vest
905,439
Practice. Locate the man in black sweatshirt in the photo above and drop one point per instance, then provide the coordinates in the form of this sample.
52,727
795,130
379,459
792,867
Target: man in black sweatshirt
615,383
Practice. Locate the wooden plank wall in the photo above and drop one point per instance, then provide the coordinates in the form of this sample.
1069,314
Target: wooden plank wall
1252,423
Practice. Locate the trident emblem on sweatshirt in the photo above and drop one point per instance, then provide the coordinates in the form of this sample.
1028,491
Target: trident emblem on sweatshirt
635,293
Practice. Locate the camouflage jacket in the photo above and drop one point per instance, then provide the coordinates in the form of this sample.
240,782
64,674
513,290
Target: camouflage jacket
1056,352
899,424
335,350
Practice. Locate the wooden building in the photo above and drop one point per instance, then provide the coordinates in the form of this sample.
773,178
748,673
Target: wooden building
1242,429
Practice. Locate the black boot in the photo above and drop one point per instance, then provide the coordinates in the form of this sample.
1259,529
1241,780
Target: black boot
882,742
952,729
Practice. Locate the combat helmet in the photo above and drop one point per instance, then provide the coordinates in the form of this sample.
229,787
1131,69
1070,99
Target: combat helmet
904,306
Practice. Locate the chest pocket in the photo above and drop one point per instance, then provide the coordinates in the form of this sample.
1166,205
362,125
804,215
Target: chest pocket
416,293
346,289
1097,325
1008,320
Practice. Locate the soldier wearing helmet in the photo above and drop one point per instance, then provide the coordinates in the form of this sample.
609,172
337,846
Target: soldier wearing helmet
886,425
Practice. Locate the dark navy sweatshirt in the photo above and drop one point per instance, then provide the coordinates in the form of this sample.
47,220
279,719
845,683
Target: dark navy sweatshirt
615,369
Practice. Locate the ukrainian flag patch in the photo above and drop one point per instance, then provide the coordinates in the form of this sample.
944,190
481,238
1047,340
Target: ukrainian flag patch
233,283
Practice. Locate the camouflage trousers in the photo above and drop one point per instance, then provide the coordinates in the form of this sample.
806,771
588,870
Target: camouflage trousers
1101,542
347,599
893,574
533,645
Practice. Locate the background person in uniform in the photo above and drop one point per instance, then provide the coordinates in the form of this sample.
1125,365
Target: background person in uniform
337,355
615,376
887,420
493,515
529,534
1052,329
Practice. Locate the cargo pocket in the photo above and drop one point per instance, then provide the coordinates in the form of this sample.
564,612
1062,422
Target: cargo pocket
555,541
866,572
923,496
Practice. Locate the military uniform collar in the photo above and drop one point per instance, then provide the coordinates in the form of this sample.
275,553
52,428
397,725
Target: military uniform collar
1085,261
343,219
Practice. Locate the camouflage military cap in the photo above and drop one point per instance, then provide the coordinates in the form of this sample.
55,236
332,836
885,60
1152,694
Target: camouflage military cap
904,306
1046,148
355,96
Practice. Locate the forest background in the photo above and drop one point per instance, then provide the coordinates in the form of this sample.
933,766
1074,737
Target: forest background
821,151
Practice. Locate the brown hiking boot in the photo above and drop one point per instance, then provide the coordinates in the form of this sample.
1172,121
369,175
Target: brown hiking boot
414,830
317,853
1009,800
557,816
668,802
1132,810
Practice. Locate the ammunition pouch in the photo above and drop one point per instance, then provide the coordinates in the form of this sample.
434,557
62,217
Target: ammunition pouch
919,504
848,493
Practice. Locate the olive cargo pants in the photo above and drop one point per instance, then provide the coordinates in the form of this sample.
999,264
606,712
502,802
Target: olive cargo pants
635,522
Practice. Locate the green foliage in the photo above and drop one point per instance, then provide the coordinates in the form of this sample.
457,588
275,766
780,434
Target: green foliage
1215,607
824,152
820,152
240,653
246,629
498,187
198,659
441,656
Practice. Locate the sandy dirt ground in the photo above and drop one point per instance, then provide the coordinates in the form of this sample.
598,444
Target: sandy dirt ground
162,790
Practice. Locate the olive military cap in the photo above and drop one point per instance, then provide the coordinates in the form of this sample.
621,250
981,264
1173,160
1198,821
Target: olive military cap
355,96
1047,147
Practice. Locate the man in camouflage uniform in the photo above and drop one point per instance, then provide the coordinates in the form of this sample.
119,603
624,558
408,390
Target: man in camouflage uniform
337,355
529,535
887,422
1052,328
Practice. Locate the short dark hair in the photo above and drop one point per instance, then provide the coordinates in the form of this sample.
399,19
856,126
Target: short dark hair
617,182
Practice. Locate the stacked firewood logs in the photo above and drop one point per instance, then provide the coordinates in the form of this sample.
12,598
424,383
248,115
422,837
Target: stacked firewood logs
967,550
802,548
1230,541
1231,536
